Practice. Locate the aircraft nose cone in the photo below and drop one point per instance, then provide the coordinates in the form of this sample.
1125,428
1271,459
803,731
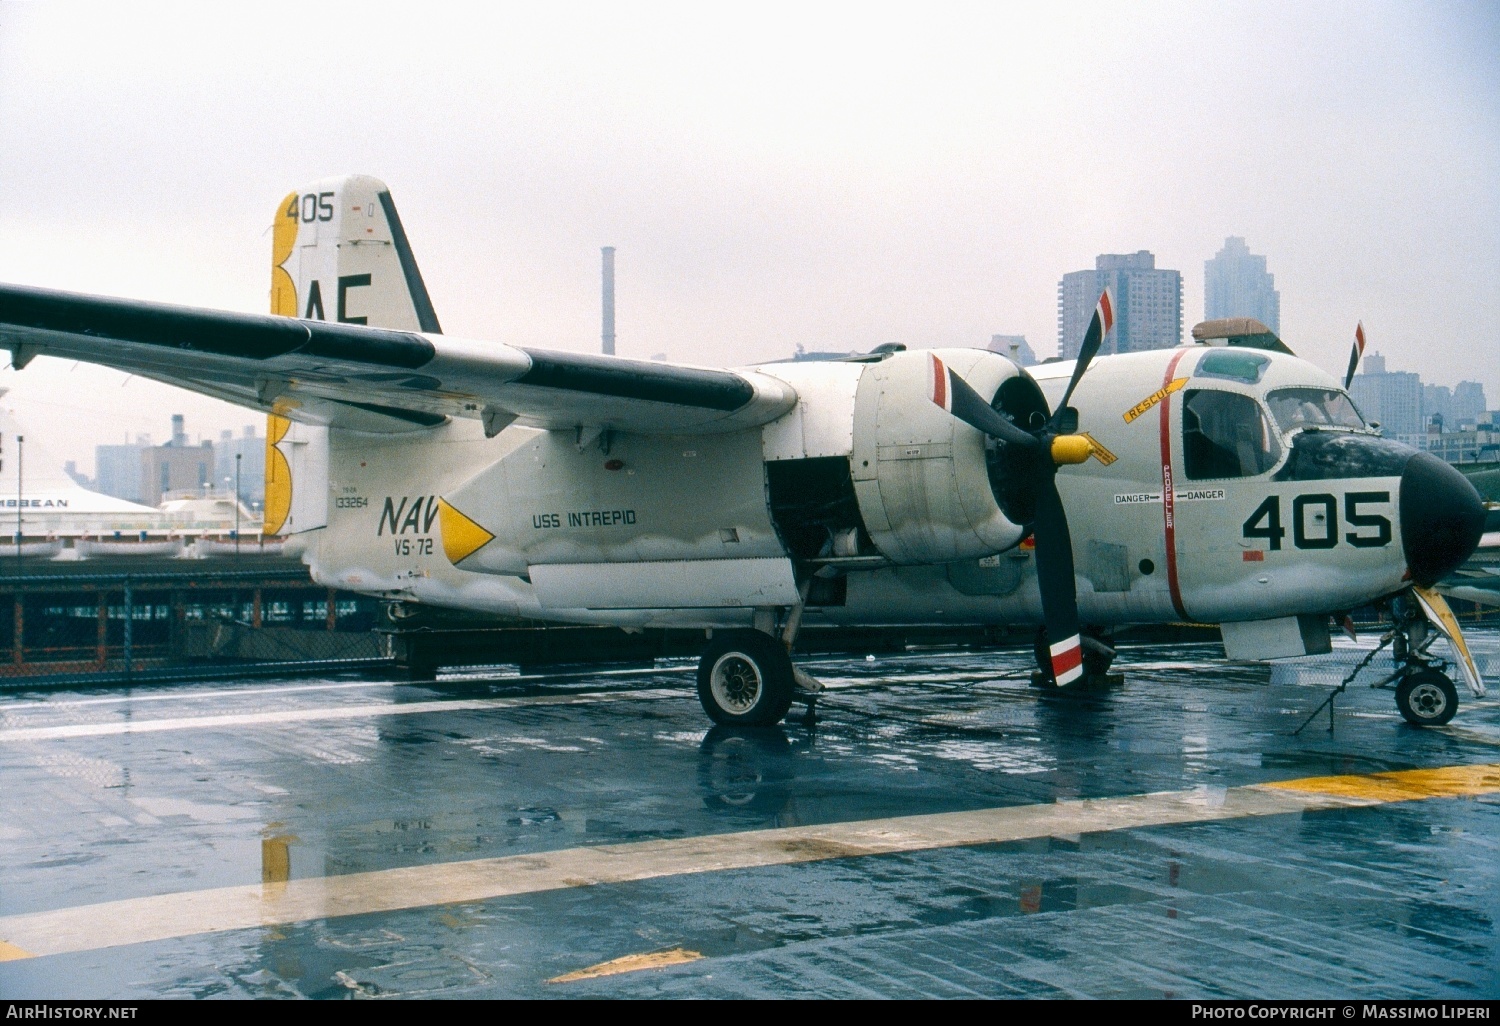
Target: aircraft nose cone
1442,518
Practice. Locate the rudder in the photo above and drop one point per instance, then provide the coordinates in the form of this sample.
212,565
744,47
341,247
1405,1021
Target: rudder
340,253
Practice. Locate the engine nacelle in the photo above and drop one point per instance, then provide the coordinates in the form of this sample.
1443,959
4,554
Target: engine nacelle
923,479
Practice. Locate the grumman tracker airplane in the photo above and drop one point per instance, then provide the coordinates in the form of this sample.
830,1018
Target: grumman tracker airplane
1225,481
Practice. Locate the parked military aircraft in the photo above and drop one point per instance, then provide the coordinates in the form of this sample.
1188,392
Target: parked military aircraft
1225,481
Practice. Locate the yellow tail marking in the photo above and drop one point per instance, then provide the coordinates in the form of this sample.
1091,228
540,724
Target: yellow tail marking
283,243
278,476
461,536
1405,785
630,964
9,952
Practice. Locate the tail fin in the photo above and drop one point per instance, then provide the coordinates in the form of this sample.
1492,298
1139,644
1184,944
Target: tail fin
339,253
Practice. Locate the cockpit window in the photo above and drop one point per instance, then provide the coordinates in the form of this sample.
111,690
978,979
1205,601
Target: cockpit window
1234,364
1225,435
1313,407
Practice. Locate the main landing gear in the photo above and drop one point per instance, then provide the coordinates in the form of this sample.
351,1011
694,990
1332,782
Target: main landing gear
745,678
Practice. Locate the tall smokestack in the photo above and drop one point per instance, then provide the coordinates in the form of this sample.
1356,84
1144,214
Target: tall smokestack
609,300
179,432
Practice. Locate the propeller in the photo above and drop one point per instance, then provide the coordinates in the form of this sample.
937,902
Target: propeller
1034,456
1355,353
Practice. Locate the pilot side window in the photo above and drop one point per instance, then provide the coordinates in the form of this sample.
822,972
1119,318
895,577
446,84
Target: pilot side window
1225,435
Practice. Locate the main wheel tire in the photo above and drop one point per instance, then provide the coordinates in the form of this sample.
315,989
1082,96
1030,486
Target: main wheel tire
745,679
1426,698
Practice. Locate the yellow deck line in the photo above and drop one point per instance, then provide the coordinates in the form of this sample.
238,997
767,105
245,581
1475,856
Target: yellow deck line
9,952
189,913
1406,785
630,964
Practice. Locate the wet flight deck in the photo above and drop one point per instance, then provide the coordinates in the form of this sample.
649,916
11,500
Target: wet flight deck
944,829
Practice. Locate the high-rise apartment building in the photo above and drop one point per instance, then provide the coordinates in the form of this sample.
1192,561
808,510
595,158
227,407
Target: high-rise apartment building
1237,284
1391,398
1469,403
1148,304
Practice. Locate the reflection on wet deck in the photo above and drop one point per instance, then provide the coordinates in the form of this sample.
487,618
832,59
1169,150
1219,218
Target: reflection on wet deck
374,797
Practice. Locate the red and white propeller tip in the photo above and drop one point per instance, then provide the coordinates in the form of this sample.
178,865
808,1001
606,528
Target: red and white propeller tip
1356,352
1067,660
1099,326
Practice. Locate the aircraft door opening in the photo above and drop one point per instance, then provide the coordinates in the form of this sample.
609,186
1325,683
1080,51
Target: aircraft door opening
1229,447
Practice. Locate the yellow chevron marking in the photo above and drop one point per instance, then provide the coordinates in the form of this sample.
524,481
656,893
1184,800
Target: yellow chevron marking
278,477
283,243
462,537
9,952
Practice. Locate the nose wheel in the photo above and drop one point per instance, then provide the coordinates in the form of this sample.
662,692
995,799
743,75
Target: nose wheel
1426,698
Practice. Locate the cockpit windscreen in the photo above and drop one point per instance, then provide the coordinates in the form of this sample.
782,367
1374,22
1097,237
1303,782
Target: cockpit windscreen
1313,407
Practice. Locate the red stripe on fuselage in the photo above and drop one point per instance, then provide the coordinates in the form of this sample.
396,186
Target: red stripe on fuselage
1168,506
939,383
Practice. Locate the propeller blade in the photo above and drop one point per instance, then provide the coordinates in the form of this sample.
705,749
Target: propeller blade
955,395
1054,574
1034,464
1355,353
1104,319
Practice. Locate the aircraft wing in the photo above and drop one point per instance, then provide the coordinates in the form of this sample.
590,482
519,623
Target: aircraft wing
378,379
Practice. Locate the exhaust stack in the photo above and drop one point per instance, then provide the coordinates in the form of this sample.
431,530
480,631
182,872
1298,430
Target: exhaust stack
609,300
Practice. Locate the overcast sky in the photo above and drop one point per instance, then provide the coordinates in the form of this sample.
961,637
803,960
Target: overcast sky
834,175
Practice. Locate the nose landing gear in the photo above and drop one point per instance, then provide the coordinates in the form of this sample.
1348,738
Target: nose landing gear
1425,695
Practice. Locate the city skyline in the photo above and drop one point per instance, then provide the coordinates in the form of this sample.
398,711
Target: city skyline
922,176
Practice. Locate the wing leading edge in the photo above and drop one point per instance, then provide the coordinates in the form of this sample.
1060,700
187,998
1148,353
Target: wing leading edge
377,378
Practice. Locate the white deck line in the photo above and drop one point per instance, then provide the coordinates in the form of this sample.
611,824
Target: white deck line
191,913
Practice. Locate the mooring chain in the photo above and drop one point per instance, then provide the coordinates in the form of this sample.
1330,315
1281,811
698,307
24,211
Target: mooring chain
1366,660
1345,683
